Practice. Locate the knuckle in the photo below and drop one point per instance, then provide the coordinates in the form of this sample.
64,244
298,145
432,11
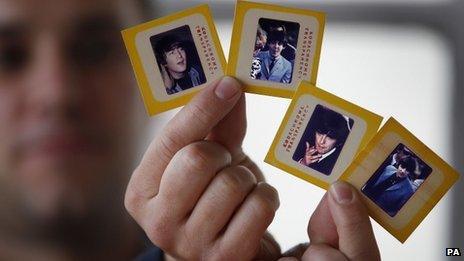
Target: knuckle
222,254
133,201
353,224
200,114
365,255
203,155
186,247
160,233
236,179
313,252
266,200
169,144
356,220
196,156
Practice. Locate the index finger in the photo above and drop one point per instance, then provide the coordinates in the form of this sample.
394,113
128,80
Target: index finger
192,123
356,238
321,227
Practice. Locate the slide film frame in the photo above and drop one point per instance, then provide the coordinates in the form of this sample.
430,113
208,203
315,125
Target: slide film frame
424,198
203,58
306,53
297,122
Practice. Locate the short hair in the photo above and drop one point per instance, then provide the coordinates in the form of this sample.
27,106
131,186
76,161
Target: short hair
333,124
166,44
278,34
260,32
408,163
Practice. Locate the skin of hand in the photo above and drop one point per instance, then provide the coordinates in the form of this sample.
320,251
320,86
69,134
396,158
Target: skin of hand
340,228
195,193
167,79
311,155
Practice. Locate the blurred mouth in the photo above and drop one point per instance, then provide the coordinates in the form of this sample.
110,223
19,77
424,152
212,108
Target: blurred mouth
56,144
181,62
63,145
319,148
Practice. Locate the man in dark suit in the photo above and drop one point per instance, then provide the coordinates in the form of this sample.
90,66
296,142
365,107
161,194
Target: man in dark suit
331,131
393,187
274,67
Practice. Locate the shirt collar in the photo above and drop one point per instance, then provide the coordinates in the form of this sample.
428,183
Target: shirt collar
327,154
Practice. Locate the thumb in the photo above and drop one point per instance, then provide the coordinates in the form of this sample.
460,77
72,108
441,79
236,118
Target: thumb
307,146
356,238
231,130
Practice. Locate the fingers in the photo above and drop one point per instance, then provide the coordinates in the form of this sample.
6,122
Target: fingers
249,224
312,151
187,176
312,156
191,124
225,193
296,251
340,229
323,252
268,249
185,179
287,258
356,238
321,227
231,130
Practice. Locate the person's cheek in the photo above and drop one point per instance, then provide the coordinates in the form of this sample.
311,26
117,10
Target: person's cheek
113,98
10,100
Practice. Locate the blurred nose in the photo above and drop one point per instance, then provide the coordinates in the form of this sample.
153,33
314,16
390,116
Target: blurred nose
50,79
323,137
179,53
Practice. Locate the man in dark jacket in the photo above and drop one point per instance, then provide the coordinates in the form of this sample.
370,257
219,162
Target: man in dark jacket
331,130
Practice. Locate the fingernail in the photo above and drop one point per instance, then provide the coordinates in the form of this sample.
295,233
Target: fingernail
341,192
227,88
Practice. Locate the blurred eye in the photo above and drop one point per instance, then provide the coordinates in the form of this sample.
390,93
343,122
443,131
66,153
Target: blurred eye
332,136
13,58
92,51
322,130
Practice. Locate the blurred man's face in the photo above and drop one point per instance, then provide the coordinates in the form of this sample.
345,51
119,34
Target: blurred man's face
275,48
260,42
176,60
324,143
64,110
402,172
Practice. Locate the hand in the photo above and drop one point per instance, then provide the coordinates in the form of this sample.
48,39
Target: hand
311,155
195,193
340,229
167,78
